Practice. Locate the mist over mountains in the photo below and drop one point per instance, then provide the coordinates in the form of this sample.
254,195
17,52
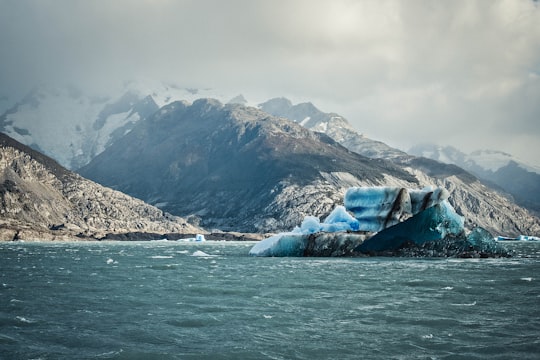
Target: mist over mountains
498,168
233,167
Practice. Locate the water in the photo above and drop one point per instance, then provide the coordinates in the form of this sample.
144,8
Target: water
155,300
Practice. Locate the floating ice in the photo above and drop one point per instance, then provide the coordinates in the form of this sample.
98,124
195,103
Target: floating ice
387,221
377,208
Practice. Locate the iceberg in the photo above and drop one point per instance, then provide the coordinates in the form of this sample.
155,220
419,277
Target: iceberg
378,208
389,221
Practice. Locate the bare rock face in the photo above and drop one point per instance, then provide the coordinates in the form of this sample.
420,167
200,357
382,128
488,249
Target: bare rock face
39,199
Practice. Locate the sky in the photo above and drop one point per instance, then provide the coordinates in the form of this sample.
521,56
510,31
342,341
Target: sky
464,73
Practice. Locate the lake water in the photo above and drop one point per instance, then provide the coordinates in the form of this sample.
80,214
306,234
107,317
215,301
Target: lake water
155,300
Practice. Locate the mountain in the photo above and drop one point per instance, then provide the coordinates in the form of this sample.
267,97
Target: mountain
73,126
332,124
480,204
240,168
236,167
520,180
40,199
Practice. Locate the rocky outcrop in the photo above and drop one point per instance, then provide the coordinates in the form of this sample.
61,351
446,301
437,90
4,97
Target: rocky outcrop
39,199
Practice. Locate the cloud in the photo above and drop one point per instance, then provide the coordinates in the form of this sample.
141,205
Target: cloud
460,72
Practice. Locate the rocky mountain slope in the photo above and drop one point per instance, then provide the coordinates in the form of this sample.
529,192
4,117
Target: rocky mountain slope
235,167
40,199
480,204
520,180
240,168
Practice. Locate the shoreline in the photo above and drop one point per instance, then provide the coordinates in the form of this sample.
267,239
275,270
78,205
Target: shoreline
9,234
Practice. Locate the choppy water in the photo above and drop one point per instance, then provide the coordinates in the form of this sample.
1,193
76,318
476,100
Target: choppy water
155,300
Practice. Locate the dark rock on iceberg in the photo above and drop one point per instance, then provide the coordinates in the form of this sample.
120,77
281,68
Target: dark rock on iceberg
435,223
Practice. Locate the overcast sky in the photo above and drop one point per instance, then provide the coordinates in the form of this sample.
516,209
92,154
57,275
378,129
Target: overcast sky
463,73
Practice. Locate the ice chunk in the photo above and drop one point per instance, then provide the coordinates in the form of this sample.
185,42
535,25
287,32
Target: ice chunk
284,244
426,198
377,208
338,220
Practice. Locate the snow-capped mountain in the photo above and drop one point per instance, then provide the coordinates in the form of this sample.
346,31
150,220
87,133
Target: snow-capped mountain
332,124
519,179
488,161
73,126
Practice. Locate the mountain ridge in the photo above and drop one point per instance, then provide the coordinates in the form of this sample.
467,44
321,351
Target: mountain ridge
42,200
243,156
284,171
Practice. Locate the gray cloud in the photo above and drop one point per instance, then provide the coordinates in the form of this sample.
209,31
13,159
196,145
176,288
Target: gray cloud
461,72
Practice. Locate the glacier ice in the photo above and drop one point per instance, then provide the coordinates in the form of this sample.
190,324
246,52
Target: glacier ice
284,244
387,221
378,207
338,220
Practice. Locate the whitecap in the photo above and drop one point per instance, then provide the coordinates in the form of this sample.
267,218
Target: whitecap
267,316
201,254
527,279
24,320
448,288
161,257
466,304
429,336
110,261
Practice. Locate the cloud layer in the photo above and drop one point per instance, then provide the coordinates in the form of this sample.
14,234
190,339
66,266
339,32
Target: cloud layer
465,73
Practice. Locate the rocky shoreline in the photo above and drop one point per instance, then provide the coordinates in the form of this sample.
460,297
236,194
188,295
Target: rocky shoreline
8,234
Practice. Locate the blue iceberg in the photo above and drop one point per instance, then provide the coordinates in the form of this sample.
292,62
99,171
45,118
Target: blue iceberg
389,221
378,208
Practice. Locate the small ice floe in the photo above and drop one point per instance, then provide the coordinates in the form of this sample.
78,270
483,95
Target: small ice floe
201,254
111,261
527,279
267,316
197,238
